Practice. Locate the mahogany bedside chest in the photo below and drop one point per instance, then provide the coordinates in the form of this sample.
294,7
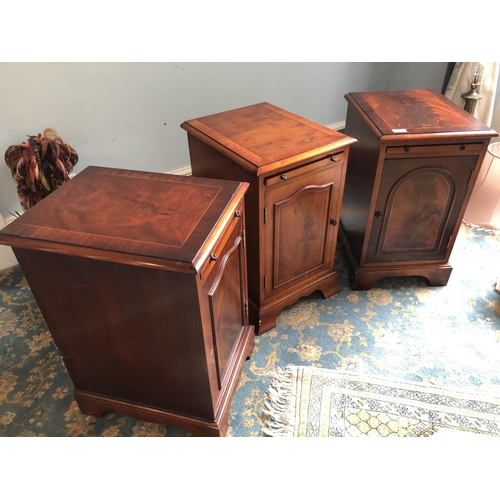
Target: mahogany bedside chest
141,278
409,179
296,170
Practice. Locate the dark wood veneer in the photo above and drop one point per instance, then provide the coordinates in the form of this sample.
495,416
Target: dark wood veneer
409,178
295,169
141,278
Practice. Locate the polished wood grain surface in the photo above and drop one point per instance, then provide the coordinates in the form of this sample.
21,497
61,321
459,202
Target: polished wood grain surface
401,113
142,281
227,309
296,170
359,181
265,136
110,326
302,227
159,218
409,178
417,199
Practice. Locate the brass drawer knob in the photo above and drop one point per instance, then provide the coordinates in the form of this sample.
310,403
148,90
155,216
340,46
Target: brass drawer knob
283,177
213,257
237,213
334,158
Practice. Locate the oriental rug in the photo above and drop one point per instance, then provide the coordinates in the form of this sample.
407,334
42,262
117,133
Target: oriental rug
401,330
304,401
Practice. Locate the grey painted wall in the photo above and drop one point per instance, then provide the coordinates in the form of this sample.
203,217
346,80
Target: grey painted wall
128,115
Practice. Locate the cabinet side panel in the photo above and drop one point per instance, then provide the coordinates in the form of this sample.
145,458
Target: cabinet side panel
207,162
124,332
359,181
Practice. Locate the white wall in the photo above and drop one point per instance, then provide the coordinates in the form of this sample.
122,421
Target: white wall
128,115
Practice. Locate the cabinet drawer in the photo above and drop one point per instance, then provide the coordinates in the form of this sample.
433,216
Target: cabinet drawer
438,150
227,238
335,159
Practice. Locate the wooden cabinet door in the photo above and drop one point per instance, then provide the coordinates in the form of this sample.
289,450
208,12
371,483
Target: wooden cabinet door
417,208
300,226
228,300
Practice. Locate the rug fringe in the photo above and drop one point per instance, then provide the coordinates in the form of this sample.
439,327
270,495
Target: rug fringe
279,404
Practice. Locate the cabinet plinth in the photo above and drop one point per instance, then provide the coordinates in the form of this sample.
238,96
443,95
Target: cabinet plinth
295,169
409,178
141,279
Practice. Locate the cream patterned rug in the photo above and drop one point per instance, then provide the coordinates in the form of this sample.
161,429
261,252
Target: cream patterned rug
315,402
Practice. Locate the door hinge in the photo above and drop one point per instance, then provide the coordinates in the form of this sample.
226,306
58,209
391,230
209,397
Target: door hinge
246,307
265,215
244,239
265,282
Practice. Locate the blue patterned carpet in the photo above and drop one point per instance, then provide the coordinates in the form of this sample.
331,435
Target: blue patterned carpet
401,328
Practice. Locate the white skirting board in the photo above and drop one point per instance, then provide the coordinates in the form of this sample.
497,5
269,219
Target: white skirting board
7,257
180,171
